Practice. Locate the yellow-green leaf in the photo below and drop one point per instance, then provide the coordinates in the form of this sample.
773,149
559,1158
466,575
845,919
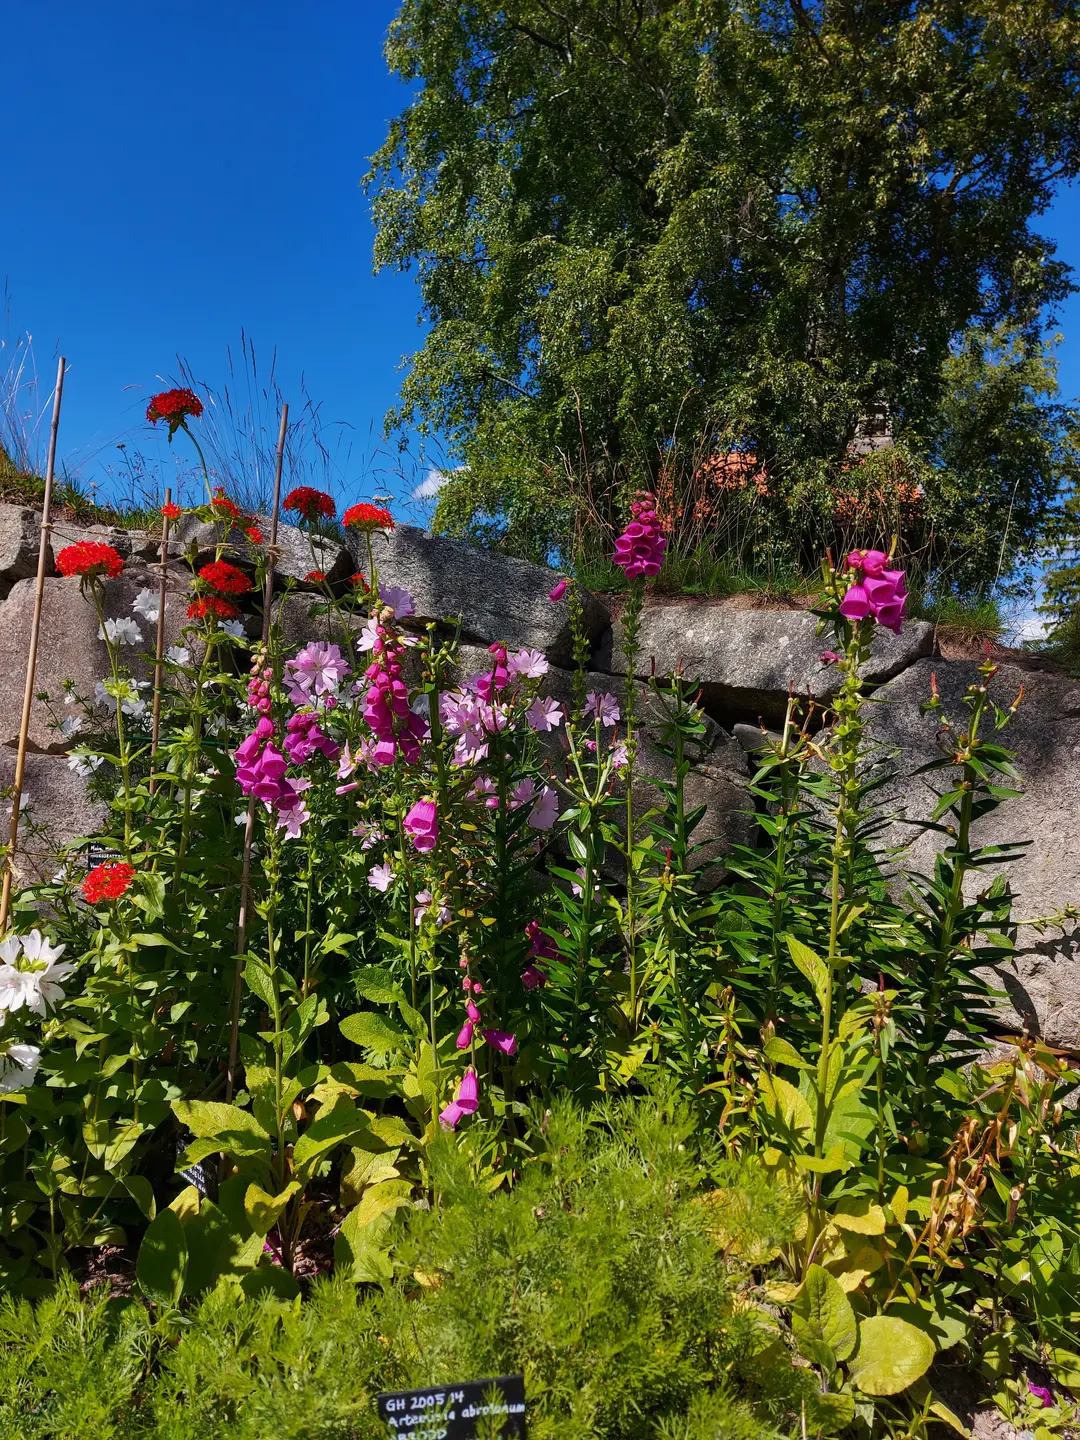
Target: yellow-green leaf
891,1356
821,1314
812,966
860,1215
263,1210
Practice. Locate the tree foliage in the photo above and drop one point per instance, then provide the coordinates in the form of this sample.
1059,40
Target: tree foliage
637,219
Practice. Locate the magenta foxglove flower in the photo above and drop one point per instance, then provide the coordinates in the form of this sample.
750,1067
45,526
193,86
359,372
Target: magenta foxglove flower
546,810
870,562
1044,1395
465,1103
491,682
501,1040
639,550
830,657
856,603
533,978
875,591
422,826
472,1012
558,591
465,1034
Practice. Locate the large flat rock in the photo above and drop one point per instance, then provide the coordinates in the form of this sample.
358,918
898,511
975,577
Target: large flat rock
20,536
57,808
70,648
299,552
1043,983
495,596
747,660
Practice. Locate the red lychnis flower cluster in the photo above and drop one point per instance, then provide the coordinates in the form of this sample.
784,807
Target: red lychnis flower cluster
174,406
639,550
367,517
254,534
89,558
309,503
226,579
171,511
207,605
315,576
874,591
108,881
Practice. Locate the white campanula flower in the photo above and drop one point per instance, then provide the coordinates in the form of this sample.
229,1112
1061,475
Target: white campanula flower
233,628
178,654
70,726
121,632
147,604
18,1066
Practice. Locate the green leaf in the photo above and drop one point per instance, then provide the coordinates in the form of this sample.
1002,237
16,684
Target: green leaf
892,1355
832,1413
375,983
260,982
142,1192
821,1315
373,1032
322,1135
263,1210
211,1119
782,1052
812,966
270,1282
782,1098
860,1215
162,1263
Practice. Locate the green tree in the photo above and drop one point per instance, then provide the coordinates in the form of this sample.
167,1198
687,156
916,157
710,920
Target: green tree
637,220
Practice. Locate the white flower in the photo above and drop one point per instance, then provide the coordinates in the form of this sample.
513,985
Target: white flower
380,877
146,604
41,981
233,628
85,764
18,1066
15,992
108,692
70,726
178,654
121,632
10,948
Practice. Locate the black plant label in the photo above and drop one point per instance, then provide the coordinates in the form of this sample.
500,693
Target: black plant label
455,1412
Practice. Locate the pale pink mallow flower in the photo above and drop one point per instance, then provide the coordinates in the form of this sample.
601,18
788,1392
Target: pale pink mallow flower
465,1102
546,810
422,826
399,600
543,714
603,706
523,793
368,835
317,669
529,664
380,877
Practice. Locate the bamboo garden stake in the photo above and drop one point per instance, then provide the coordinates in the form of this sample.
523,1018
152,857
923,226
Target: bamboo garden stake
31,658
159,651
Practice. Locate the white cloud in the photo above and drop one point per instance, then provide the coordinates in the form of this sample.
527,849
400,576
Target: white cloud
434,481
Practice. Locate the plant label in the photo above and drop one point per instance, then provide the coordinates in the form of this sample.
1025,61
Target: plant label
457,1412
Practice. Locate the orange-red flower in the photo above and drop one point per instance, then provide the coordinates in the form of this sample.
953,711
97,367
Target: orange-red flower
315,576
207,605
89,558
254,534
171,511
358,580
368,517
174,406
225,578
309,503
224,506
108,881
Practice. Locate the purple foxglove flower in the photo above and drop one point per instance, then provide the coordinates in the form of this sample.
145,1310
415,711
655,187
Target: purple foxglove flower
422,826
855,604
468,1095
533,978
450,1116
465,1034
472,1012
830,657
870,562
639,550
546,810
1044,1395
501,1040
558,591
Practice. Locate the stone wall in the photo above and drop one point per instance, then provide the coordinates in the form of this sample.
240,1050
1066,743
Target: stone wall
745,660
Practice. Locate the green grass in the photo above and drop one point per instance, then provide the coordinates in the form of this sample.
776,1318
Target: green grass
971,618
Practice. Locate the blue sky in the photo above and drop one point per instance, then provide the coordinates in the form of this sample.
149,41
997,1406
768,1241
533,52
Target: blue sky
174,184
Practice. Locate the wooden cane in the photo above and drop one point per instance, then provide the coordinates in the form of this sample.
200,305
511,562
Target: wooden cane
159,651
249,827
31,659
